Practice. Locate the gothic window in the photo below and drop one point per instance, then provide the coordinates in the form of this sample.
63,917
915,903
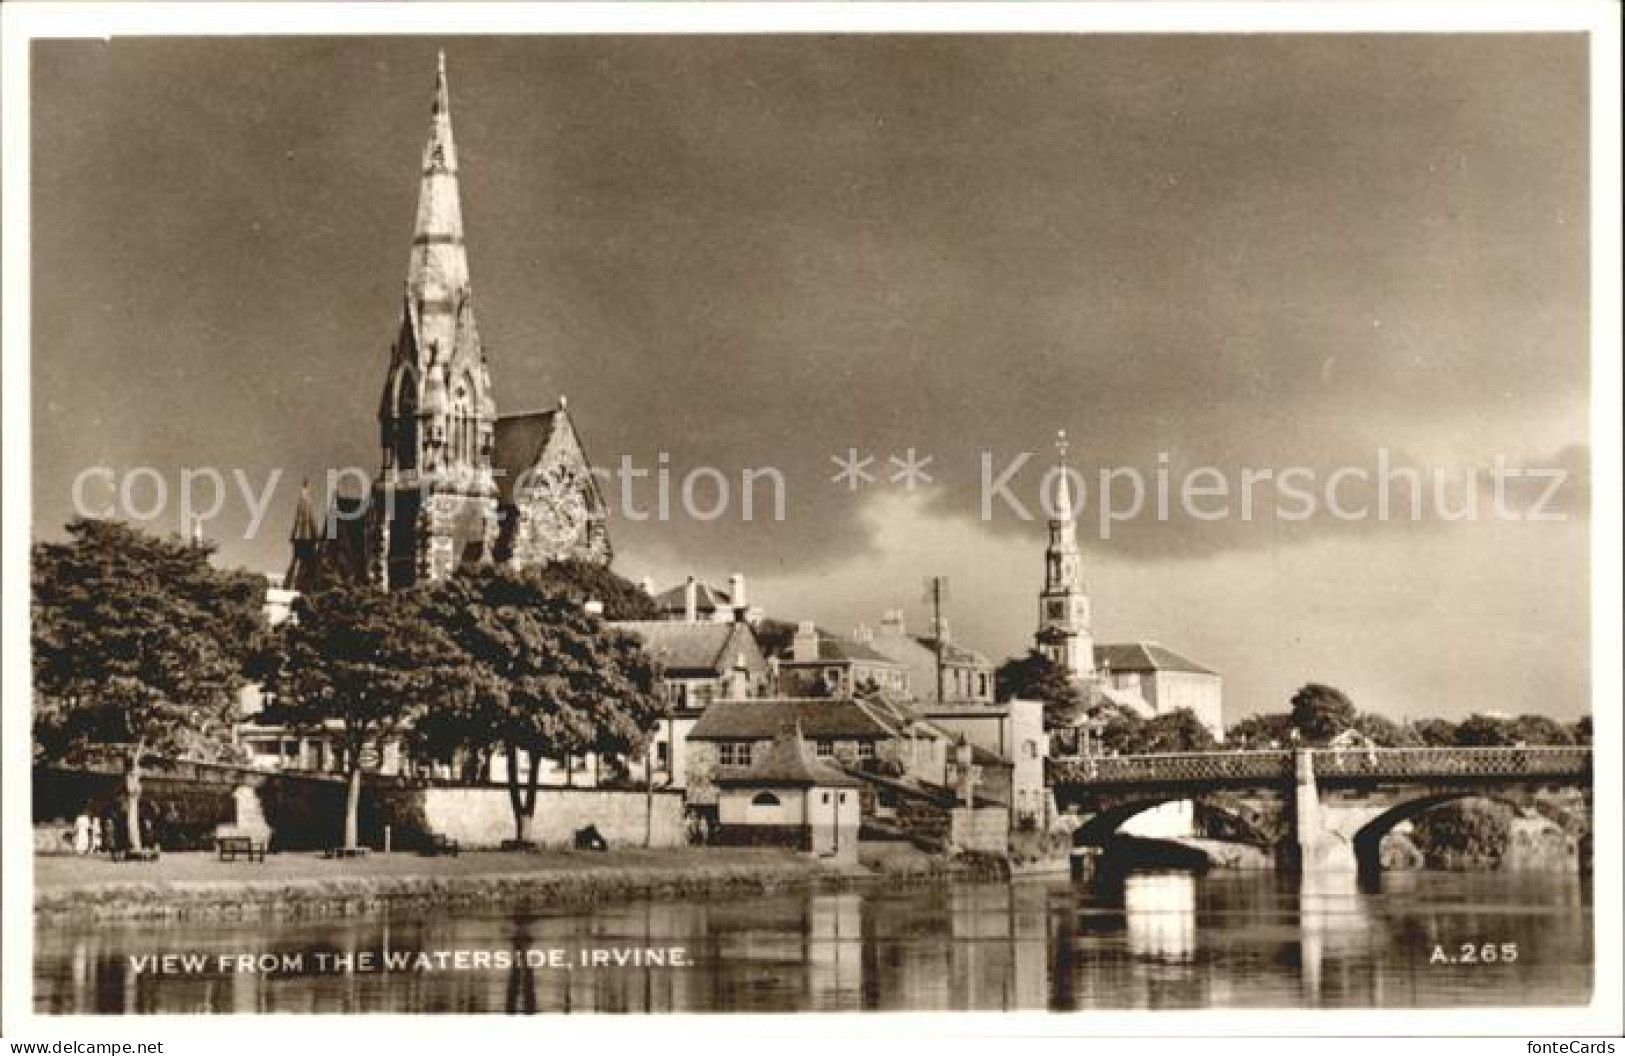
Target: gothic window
406,422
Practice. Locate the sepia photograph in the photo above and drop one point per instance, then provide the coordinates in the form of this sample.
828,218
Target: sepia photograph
1090,522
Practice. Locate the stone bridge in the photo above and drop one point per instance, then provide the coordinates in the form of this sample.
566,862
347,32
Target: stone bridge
1321,810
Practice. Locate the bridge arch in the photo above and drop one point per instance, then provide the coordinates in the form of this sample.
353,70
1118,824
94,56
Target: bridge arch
1243,824
1367,839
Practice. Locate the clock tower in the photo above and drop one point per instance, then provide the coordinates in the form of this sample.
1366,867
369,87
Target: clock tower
1064,633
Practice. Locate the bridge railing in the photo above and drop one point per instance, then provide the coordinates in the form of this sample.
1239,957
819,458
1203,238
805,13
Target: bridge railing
1274,765
1496,761
1253,765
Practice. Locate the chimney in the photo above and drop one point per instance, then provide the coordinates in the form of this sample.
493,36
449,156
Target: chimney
691,601
939,629
595,607
863,634
736,591
805,646
892,624
647,585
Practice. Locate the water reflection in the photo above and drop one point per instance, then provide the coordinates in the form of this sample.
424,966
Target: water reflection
1142,940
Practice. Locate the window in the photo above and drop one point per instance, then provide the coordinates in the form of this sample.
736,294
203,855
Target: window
826,797
1031,748
826,749
866,749
734,753
841,797
662,755
764,799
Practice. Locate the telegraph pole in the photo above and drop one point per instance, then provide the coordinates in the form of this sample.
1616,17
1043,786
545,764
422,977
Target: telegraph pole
936,592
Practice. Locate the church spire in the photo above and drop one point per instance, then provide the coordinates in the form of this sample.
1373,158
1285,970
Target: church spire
437,275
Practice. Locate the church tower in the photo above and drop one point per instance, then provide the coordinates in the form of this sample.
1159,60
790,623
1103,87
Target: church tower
1064,633
435,500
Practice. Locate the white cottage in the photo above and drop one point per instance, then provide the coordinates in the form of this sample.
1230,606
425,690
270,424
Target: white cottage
787,797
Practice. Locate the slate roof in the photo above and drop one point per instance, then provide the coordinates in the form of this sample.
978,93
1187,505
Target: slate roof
707,599
1146,656
758,720
517,443
834,650
953,654
693,648
788,764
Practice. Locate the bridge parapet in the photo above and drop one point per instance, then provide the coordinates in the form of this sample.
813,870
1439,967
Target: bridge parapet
1448,763
1218,768
1174,768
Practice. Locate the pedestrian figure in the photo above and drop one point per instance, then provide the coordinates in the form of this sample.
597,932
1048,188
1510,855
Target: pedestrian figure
84,833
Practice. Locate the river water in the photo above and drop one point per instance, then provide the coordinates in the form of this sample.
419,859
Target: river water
1147,940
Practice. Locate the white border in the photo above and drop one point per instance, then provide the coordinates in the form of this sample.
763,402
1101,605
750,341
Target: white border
23,21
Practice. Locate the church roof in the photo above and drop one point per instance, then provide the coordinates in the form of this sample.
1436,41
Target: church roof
1145,656
819,718
694,648
517,444
788,763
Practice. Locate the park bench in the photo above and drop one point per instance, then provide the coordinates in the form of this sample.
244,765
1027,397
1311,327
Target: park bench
230,848
438,843
344,852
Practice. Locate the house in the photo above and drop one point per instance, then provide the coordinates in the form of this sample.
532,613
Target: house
732,734
819,663
696,601
1155,680
966,674
702,662
787,797
1012,731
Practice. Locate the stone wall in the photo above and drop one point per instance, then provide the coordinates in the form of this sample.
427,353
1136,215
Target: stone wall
985,830
483,817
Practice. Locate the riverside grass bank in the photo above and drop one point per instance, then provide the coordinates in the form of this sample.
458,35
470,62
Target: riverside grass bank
197,885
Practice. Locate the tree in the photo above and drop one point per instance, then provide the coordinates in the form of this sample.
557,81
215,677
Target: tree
1539,729
366,660
549,680
1470,834
1581,730
1271,730
1486,730
587,581
1435,733
1321,712
139,644
1037,677
1175,731
1385,732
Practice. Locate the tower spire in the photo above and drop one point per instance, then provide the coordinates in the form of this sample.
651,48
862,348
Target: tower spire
1063,619
437,275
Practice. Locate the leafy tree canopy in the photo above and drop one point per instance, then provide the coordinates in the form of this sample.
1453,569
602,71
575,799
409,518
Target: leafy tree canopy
1321,712
139,642
548,679
1271,730
1037,677
586,581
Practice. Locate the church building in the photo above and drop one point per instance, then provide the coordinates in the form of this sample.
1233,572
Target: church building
458,483
1144,676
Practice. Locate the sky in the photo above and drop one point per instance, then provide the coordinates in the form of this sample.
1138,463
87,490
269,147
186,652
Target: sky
1245,253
